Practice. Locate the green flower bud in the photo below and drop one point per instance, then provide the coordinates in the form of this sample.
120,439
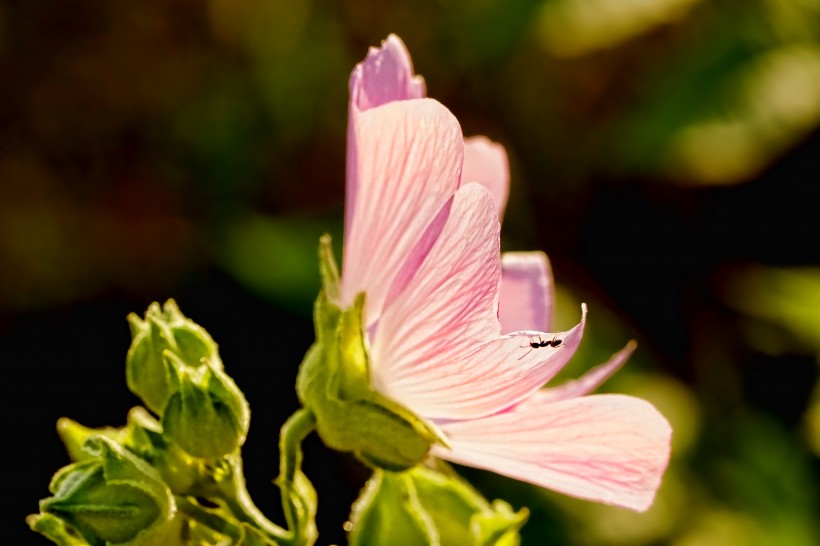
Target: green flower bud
208,416
164,330
334,383
143,436
114,498
426,507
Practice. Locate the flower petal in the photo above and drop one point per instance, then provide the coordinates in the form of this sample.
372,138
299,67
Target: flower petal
486,162
527,292
607,448
473,382
450,305
405,162
589,381
438,348
385,75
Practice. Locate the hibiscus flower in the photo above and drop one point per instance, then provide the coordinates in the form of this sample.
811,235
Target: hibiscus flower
459,333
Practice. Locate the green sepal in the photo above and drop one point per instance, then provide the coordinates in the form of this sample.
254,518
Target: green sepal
461,514
334,383
389,512
113,498
300,500
328,269
55,530
143,436
74,436
424,506
208,417
164,330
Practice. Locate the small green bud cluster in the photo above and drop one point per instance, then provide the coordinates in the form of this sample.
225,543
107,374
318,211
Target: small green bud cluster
174,367
169,479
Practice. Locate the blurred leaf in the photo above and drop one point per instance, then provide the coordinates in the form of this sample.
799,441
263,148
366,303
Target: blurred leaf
789,297
275,257
569,28
743,90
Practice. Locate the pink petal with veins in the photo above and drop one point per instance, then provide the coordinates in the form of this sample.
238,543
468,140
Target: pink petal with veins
589,381
486,162
488,379
438,348
407,158
607,448
527,292
385,75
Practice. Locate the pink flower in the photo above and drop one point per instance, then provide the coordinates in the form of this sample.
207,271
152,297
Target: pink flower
450,321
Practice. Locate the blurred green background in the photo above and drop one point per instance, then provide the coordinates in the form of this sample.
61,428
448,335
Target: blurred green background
664,153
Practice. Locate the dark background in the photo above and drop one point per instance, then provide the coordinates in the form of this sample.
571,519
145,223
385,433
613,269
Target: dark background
666,159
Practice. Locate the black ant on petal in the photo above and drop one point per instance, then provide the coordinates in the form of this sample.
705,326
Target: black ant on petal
541,343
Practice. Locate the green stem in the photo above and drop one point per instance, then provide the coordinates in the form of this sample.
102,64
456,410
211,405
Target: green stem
209,519
299,508
295,429
234,493
296,500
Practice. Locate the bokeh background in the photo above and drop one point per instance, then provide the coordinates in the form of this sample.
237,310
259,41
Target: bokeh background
664,153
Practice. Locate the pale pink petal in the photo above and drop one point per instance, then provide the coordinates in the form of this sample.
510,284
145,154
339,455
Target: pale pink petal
407,160
385,75
606,448
527,293
486,162
450,304
485,379
587,382
438,347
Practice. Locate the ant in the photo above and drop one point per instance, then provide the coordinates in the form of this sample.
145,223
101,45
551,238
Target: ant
541,343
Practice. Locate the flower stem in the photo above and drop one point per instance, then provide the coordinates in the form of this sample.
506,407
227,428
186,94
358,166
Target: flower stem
295,429
235,494
207,518
298,495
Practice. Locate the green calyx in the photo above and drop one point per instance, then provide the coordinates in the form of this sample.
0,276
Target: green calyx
334,383
208,416
165,332
174,367
110,498
428,507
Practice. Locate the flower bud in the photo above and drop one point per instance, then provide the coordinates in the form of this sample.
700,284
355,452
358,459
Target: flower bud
207,416
112,498
143,436
334,383
423,506
164,330
74,436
